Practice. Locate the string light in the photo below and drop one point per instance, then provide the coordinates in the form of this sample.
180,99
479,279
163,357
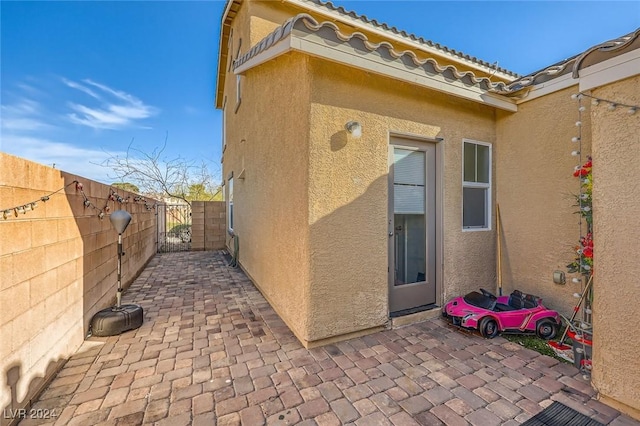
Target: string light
113,196
612,105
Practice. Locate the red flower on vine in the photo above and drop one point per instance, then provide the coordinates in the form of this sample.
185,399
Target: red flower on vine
584,170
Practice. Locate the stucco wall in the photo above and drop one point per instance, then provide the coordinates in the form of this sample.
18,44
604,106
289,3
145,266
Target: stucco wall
57,268
348,193
535,190
268,138
616,156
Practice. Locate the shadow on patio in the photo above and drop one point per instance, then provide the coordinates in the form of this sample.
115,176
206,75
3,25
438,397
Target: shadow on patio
212,351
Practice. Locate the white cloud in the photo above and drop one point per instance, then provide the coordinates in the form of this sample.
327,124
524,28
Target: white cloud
80,87
70,158
24,115
121,110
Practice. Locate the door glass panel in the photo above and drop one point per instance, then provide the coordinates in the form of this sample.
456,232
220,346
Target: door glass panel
410,248
409,216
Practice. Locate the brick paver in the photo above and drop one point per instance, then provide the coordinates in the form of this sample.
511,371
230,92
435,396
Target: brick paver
212,351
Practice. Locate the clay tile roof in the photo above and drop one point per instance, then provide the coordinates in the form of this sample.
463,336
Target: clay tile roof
412,37
573,64
328,30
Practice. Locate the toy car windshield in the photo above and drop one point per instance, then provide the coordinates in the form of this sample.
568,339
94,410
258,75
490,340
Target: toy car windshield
480,300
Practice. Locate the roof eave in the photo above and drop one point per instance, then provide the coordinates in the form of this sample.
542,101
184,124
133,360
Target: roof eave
358,23
222,51
443,79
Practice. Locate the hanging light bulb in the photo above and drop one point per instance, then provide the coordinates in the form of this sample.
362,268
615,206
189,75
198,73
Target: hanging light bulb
21,210
6,213
577,295
612,107
34,205
586,208
101,215
588,311
79,186
595,102
575,139
632,110
87,203
574,96
575,153
576,280
27,207
44,199
581,109
578,123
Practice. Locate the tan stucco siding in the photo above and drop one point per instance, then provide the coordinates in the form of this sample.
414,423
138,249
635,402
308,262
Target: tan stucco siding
535,190
266,16
348,193
616,156
267,137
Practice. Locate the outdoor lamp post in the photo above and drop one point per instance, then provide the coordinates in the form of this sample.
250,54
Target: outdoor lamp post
120,219
119,318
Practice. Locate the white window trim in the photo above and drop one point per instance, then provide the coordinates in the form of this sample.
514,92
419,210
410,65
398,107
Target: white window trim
230,203
224,125
488,186
238,91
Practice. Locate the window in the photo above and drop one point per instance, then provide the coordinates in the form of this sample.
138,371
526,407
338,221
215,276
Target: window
230,50
224,125
230,203
476,185
238,91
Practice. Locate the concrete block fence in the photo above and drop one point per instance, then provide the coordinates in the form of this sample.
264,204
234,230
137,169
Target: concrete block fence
57,268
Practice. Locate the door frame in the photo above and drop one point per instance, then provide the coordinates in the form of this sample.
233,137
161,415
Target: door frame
414,140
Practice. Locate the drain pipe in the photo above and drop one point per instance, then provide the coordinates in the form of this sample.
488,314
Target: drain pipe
236,249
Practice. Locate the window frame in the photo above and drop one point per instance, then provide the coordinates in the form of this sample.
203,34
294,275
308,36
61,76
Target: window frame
238,91
230,203
482,185
224,125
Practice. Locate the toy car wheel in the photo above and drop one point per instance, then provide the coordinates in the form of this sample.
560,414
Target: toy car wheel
488,327
546,329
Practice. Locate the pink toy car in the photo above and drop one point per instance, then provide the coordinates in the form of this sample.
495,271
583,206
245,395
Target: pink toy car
517,313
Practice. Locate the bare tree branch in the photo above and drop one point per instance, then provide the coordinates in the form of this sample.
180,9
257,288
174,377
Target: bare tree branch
156,176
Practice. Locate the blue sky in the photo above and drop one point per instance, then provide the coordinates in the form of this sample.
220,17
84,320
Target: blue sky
83,80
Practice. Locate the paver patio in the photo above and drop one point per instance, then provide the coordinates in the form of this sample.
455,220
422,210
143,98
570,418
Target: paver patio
212,351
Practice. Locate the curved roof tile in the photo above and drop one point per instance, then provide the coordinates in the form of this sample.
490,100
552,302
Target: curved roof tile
341,10
359,41
572,64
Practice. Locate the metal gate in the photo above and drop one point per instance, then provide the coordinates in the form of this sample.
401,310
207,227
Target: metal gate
174,227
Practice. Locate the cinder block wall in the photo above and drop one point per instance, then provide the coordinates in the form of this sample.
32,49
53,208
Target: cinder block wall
208,225
57,268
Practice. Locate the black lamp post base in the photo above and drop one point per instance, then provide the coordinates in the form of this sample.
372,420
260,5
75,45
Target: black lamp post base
113,321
